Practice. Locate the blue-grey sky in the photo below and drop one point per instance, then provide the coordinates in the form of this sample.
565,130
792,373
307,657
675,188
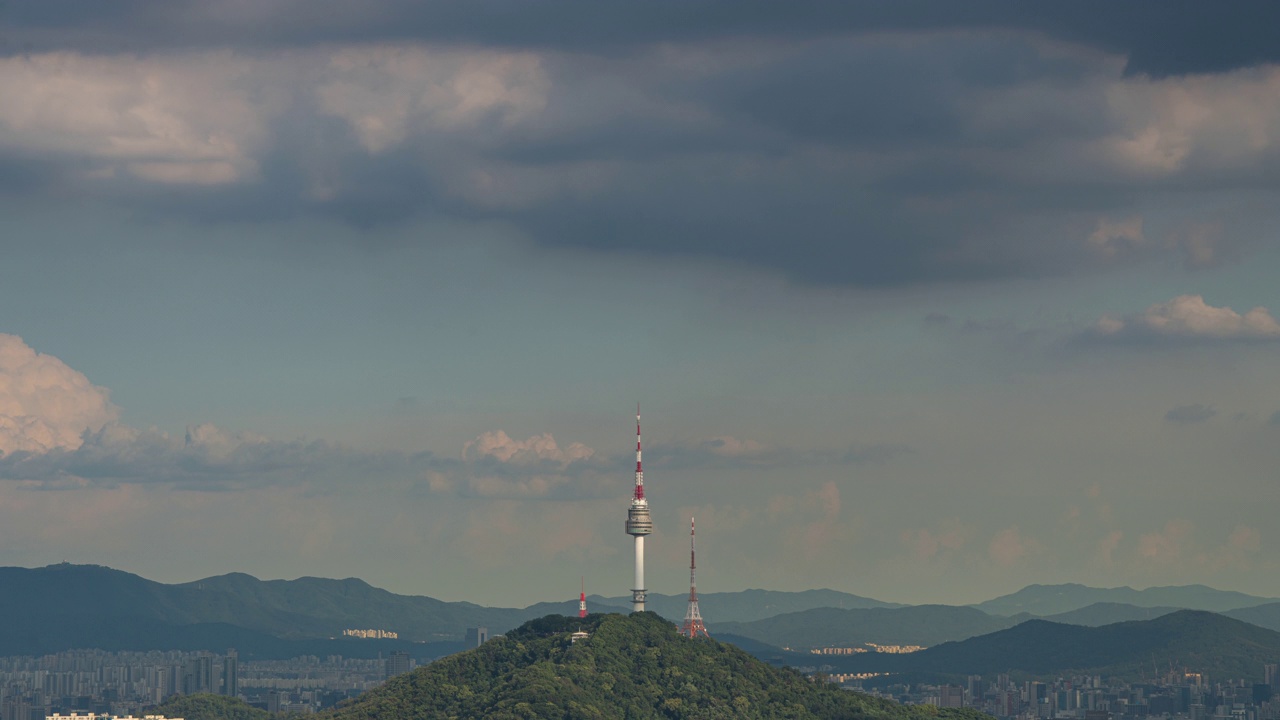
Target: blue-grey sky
923,301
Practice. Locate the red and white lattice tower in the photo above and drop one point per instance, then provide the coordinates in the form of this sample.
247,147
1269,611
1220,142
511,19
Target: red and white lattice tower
582,600
693,625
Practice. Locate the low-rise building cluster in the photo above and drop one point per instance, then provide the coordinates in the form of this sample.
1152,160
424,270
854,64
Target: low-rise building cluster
127,684
1177,696
372,634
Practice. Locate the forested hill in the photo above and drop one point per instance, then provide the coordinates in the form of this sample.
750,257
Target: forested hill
634,666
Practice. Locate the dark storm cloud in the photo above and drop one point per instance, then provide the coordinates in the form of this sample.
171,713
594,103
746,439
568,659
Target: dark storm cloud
800,139
1160,38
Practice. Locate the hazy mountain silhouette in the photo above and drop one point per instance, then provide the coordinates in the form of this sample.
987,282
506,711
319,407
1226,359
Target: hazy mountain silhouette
1267,615
1045,600
1106,613
749,605
826,627
1198,640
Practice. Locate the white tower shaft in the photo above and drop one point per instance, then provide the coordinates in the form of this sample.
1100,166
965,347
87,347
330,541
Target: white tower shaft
639,604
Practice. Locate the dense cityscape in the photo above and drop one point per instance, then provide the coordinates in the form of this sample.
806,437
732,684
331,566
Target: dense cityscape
131,683
94,681
1176,695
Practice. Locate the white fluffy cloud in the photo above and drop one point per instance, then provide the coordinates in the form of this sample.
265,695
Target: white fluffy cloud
45,405
177,120
536,449
1218,122
204,118
1188,317
495,465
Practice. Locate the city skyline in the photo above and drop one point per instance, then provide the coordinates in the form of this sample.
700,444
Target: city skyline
922,304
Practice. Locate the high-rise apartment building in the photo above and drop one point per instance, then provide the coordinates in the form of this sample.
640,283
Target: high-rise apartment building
197,675
231,673
397,664
476,636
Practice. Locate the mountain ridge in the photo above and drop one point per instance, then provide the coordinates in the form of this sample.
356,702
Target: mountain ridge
88,605
830,627
1043,600
1201,641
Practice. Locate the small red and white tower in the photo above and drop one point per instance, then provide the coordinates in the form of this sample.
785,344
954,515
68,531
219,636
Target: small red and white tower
582,599
693,626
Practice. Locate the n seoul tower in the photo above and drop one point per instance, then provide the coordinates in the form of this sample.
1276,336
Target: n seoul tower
638,525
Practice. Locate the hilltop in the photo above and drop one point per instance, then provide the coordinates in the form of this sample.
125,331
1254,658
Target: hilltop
634,666
204,706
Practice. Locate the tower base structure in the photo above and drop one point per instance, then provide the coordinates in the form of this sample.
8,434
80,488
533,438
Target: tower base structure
693,627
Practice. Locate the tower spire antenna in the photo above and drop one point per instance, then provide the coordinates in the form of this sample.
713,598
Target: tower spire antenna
639,524
639,495
582,598
693,625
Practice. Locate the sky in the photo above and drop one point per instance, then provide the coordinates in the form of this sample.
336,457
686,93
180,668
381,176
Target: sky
923,301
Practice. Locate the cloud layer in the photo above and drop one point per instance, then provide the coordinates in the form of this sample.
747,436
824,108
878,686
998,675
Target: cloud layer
933,149
1190,318
59,430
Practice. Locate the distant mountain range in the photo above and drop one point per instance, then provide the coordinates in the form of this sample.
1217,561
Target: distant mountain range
74,606
1045,600
829,627
1222,647
1267,616
749,605
92,606
1105,613
81,606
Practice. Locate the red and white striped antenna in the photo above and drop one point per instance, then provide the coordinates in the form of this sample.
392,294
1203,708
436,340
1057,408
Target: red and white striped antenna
582,599
693,625
639,468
